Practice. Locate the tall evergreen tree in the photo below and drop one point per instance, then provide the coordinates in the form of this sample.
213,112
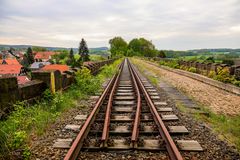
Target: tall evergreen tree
83,51
29,55
71,59
161,54
25,62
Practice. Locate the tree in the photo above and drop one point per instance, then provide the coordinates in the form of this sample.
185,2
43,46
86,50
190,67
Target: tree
71,59
30,56
228,61
38,49
142,47
61,57
209,60
83,51
118,46
161,54
25,62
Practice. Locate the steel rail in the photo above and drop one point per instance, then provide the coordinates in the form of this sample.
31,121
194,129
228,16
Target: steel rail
75,148
105,133
172,149
135,131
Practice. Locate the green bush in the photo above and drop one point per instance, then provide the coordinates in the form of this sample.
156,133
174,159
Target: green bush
223,75
192,69
171,64
18,139
86,82
236,82
211,74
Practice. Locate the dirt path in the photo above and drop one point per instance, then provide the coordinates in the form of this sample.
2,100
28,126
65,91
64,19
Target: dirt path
219,101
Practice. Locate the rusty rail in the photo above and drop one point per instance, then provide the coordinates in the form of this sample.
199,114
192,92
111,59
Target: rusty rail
75,148
172,149
105,133
136,123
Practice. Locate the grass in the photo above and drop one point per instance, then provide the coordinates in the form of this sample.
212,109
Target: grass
227,127
30,120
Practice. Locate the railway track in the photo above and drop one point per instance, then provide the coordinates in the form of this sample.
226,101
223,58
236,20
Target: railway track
130,116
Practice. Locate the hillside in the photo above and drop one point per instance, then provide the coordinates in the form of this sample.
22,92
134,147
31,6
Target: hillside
97,50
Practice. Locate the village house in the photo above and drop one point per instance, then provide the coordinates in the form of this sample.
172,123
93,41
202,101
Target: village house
53,67
9,62
10,70
22,79
44,56
38,65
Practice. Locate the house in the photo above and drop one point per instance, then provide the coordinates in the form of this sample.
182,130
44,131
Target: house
54,67
44,56
9,62
22,79
10,70
38,65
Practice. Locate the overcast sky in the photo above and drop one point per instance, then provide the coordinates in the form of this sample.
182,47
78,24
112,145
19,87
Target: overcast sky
170,24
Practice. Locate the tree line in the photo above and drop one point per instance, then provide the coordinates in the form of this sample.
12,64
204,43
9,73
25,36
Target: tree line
136,47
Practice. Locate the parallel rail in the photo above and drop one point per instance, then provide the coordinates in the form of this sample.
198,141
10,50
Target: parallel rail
172,149
109,92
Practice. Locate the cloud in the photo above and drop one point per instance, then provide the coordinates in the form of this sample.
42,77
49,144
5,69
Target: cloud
170,24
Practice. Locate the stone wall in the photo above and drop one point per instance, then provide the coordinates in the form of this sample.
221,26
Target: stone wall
206,68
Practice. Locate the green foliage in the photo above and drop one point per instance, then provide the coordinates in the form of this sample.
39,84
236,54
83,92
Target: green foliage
38,49
84,77
142,47
61,57
228,61
223,75
211,74
172,64
83,51
192,69
118,46
71,60
29,56
236,83
97,57
209,60
225,126
182,67
161,54
18,139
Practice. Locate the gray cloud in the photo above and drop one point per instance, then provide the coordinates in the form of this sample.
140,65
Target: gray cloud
170,24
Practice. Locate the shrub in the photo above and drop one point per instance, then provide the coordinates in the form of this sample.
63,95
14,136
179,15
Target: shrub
171,64
211,74
223,75
236,82
192,69
18,139
86,82
228,61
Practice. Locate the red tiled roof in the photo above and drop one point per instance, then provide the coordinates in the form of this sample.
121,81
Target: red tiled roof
12,62
10,69
52,67
22,79
44,55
